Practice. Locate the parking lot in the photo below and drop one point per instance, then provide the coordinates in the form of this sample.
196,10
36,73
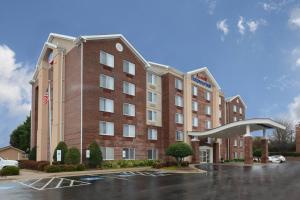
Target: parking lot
272,181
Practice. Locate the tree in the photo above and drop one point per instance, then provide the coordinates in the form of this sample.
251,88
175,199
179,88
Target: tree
179,150
20,137
257,153
73,156
95,158
283,140
64,149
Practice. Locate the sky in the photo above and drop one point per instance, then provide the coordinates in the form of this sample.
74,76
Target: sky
251,47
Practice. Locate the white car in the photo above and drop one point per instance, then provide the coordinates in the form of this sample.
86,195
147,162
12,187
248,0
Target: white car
277,159
6,163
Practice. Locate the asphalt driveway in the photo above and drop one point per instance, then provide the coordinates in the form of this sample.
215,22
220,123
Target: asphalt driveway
273,181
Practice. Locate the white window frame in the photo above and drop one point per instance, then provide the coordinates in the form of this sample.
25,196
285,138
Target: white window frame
234,118
207,96
151,78
105,153
129,67
131,130
130,152
153,115
152,134
241,143
220,100
241,110
234,108
107,59
207,109
195,121
107,82
195,90
128,88
178,84
178,118
109,128
235,155
152,97
106,102
194,105
179,135
130,108
178,100
154,154
208,124
235,143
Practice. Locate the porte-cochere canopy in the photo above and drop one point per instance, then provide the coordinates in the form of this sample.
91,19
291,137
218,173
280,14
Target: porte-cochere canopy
239,128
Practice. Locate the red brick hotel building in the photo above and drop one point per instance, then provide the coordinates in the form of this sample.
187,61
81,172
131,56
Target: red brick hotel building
100,88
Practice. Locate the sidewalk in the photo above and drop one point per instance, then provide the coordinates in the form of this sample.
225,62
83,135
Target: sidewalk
31,174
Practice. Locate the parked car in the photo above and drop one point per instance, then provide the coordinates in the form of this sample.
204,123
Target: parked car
277,159
6,163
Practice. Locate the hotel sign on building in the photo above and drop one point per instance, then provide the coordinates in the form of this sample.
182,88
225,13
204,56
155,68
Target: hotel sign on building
201,80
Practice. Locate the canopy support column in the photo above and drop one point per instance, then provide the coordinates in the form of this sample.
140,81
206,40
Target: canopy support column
248,144
265,148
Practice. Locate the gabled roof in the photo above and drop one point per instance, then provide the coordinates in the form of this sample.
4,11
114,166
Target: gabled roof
229,99
11,147
120,36
166,67
205,69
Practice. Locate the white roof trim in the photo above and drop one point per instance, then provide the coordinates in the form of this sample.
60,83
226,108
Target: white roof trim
112,36
205,69
53,35
236,96
227,129
167,67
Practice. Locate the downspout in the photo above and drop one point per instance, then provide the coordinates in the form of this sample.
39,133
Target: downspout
50,119
81,98
61,93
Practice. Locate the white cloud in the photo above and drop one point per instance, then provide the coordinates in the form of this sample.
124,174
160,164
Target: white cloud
298,62
294,19
275,5
241,26
254,24
294,110
295,58
15,92
211,6
222,26
283,83
268,6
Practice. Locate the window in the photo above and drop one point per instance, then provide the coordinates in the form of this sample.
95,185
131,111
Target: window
108,153
128,67
220,100
234,119
241,155
128,88
178,101
179,136
152,96
241,110
106,128
241,143
107,59
128,153
178,84
106,105
129,109
106,82
207,110
195,121
194,106
151,78
220,114
152,154
194,90
235,155
207,95
152,115
235,143
152,133
179,118
128,130
207,124
234,108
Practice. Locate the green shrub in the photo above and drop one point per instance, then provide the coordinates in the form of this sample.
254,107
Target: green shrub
179,150
257,153
114,164
64,168
73,156
53,168
95,158
80,167
28,164
10,171
42,164
64,149
32,154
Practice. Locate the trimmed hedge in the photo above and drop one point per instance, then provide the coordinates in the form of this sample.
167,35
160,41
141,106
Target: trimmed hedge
33,165
9,171
170,164
128,163
95,158
64,168
287,154
64,149
73,156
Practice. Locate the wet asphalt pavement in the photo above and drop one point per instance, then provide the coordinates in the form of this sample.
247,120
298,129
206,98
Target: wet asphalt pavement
270,182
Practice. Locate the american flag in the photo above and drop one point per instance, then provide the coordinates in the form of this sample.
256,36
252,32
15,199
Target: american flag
45,98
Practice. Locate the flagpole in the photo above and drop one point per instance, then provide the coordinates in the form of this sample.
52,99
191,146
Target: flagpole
50,119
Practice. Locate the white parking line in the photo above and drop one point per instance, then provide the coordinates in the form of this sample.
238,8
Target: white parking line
59,183
47,183
35,181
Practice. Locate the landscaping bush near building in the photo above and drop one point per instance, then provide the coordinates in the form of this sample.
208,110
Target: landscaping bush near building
32,154
64,149
95,158
73,156
160,165
128,163
33,165
9,171
179,151
64,168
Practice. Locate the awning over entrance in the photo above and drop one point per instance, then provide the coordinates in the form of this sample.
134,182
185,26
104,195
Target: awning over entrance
239,128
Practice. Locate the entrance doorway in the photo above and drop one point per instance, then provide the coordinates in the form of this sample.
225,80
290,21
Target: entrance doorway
206,154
